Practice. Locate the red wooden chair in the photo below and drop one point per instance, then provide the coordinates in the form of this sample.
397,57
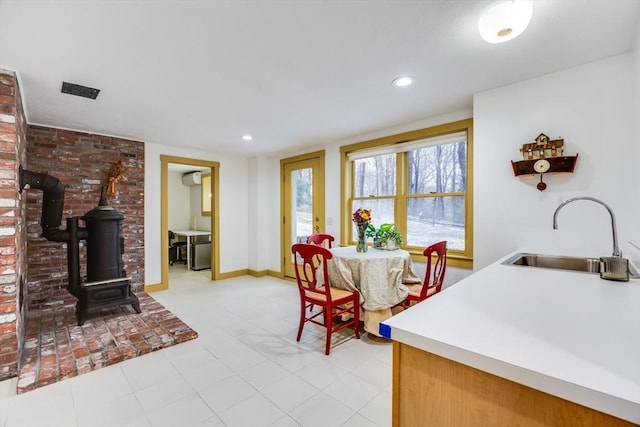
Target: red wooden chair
433,277
321,239
315,291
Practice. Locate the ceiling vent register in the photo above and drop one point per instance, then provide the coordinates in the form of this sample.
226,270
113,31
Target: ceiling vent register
79,90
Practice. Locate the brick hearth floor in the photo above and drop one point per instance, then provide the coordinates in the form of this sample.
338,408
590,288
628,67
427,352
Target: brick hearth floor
56,348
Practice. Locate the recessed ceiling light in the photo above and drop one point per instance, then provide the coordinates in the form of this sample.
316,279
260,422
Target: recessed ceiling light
247,137
403,81
505,21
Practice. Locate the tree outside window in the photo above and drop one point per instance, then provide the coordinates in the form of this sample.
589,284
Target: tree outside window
436,195
375,188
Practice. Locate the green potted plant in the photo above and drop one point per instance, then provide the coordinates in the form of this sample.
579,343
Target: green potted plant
383,235
393,238
375,234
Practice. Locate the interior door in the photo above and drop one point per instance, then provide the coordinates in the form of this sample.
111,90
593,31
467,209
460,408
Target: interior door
302,203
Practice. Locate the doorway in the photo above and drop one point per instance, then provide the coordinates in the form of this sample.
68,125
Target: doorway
211,171
302,202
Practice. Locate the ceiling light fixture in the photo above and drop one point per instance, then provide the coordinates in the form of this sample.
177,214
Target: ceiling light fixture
247,137
505,21
403,81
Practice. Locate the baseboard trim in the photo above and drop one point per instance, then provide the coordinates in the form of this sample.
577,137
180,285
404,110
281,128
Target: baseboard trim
260,273
156,287
230,274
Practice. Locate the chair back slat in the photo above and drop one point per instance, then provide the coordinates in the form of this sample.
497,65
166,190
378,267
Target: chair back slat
321,239
435,271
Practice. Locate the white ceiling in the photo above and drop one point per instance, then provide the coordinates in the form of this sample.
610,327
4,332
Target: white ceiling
292,73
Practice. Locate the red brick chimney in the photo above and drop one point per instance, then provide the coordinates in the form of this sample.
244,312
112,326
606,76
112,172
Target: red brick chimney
13,241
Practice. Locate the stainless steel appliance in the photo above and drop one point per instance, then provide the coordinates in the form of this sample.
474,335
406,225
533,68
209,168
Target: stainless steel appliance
200,255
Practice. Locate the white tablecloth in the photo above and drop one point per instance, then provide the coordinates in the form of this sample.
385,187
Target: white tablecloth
377,274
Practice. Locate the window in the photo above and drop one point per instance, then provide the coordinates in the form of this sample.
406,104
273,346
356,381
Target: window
205,196
417,181
375,188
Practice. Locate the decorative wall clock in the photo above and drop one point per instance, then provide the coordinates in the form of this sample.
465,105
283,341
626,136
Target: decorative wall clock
543,156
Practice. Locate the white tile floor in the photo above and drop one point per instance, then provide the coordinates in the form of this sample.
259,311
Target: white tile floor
245,369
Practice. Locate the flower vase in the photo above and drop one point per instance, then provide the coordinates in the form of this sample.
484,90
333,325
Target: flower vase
361,245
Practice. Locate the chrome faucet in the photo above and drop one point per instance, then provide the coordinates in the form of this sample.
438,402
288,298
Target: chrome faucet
616,250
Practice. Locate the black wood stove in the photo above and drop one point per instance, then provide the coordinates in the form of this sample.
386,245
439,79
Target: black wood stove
106,284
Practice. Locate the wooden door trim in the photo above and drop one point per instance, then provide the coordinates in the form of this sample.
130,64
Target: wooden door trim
285,249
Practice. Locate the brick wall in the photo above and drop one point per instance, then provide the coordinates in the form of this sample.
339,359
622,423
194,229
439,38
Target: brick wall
33,271
12,231
81,162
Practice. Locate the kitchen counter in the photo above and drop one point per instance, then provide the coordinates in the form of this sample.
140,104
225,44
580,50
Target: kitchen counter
568,334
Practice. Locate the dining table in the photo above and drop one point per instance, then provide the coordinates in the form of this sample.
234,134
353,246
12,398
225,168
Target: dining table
379,275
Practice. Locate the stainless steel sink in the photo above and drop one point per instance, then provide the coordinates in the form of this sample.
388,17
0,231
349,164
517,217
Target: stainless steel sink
586,264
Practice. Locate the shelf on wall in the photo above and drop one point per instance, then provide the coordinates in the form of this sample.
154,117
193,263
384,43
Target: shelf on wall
564,164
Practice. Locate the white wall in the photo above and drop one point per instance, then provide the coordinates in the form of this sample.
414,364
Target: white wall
634,253
592,108
263,240
185,203
234,207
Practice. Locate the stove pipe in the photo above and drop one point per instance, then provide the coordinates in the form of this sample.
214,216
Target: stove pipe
52,202
51,218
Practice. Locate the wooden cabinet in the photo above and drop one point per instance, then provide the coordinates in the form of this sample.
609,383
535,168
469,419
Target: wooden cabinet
429,390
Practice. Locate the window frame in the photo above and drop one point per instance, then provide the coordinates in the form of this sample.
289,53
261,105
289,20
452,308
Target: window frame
457,258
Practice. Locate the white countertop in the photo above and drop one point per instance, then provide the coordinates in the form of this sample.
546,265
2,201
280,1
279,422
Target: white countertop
569,334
